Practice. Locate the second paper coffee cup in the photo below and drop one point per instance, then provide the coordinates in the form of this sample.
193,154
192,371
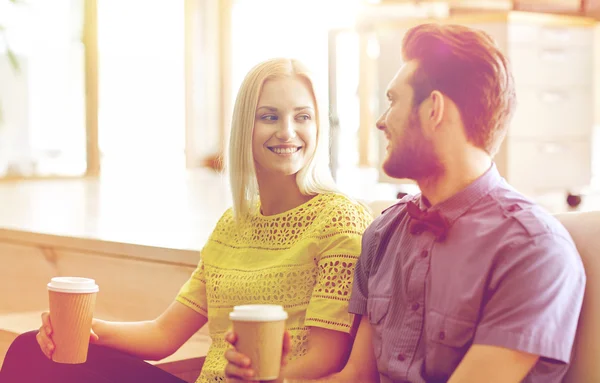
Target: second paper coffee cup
260,330
72,301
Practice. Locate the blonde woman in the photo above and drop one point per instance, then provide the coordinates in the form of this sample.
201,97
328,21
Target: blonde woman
291,238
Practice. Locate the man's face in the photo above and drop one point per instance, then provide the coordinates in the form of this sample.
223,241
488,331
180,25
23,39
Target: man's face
409,153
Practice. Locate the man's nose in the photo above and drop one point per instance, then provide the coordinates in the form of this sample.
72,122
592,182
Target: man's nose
380,124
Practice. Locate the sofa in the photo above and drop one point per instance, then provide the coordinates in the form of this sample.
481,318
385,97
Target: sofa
585,230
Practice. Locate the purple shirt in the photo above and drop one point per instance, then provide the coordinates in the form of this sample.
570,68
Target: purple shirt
507,274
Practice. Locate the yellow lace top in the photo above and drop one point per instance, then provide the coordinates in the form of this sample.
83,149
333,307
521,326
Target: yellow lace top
302,259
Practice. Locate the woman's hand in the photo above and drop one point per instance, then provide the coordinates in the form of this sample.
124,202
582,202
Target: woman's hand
238,365
44,336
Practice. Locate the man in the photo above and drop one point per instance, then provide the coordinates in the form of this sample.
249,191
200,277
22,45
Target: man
469,281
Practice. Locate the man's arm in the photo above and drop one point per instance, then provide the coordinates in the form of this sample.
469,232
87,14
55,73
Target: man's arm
492,364
532,311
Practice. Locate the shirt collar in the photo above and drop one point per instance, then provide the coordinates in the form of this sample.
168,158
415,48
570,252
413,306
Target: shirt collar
455,206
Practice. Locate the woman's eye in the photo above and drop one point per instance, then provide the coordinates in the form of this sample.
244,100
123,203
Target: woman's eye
269,117
304,117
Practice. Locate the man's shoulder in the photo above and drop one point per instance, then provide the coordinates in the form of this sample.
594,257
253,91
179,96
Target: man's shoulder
383,225
523,216
389,214
397,207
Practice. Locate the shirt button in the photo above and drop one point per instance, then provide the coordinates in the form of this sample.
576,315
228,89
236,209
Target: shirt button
442,335
401,357
424,253
415,306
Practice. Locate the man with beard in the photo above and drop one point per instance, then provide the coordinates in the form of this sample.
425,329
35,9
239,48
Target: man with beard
468,281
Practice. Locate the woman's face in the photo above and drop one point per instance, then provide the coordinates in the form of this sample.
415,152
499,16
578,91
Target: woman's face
285,130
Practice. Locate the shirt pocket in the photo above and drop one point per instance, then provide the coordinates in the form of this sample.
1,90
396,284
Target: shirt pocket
448,340
377,308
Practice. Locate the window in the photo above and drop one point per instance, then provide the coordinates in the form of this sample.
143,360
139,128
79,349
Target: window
42,132
141,122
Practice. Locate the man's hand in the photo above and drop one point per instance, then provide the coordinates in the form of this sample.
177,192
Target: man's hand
238,365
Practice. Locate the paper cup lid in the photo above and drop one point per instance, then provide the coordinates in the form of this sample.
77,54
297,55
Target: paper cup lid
258,313
73,285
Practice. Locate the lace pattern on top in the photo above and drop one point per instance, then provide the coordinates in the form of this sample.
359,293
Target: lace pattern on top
303,259
282,231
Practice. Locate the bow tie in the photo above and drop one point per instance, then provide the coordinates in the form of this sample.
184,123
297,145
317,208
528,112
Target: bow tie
427,220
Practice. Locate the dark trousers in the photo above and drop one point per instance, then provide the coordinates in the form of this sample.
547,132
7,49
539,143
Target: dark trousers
25,363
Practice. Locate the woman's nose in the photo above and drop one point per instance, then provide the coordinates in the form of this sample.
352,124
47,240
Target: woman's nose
286,131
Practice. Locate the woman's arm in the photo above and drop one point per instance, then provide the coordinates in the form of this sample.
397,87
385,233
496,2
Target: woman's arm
154,339
327,353
361,366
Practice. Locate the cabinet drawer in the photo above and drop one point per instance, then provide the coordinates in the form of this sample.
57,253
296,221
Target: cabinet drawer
550,36
546,112
551,66
549,165
556,6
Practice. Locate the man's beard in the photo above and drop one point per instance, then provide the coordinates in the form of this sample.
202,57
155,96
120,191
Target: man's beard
414,158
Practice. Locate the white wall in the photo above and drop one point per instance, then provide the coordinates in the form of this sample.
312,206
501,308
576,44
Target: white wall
596,142
14,139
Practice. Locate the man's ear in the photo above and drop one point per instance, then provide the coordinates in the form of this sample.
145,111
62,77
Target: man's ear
437,107
432,112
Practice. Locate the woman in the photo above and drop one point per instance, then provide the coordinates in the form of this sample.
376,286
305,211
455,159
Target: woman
290,238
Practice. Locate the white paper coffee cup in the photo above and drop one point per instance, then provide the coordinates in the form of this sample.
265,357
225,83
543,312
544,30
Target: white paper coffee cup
260,330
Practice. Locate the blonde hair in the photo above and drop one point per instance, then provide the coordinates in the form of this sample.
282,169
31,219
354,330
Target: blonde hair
314,178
